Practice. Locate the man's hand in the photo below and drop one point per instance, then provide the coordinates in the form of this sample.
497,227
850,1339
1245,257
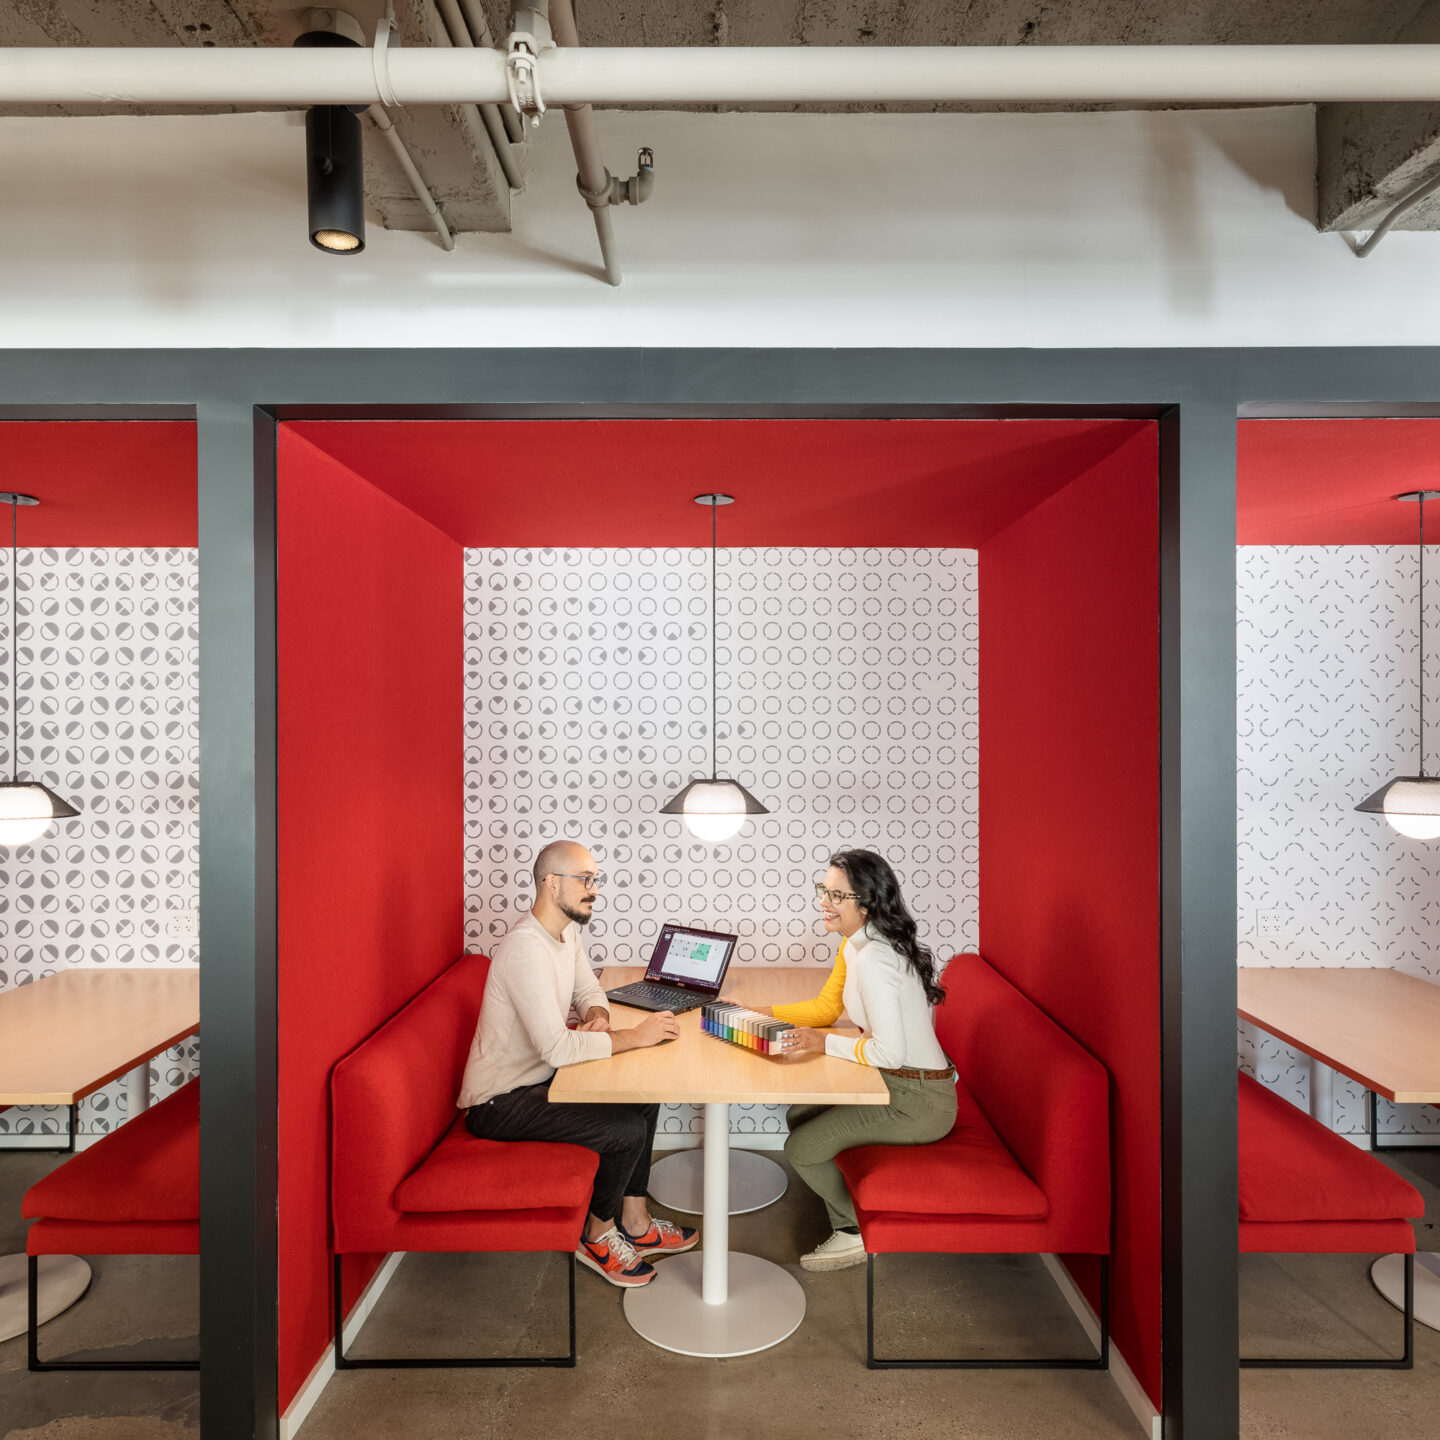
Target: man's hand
653,1030
597,1017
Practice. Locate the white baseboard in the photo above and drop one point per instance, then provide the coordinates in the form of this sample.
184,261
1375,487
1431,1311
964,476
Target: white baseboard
1123,1376
1387,1140
301,1406
692,1141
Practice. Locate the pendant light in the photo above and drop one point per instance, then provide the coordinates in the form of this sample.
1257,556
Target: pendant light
27,809
714,809
1411,803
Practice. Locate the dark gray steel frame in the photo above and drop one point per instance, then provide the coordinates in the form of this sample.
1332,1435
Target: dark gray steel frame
237,396
68,1148
1372,1106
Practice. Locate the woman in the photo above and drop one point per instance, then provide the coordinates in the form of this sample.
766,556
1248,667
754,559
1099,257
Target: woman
887,983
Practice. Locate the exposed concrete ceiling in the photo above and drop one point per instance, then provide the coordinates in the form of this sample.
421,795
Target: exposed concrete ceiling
1369,155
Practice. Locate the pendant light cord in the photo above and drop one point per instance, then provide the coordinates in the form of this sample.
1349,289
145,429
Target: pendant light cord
715,621
14,648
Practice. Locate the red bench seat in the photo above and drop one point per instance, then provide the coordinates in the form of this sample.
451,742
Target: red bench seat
134,1192
1026,1167
1306,1190
407,1176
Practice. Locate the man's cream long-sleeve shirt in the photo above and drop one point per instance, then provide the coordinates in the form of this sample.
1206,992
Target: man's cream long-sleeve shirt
521,1038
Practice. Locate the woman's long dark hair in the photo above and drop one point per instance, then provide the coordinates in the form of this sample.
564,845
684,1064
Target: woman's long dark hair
878,894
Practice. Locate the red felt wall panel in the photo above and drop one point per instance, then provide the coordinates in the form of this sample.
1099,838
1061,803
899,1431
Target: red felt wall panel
371,821
1069,819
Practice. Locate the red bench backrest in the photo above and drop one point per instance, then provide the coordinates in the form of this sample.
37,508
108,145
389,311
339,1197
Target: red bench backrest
393,1097
1045,1094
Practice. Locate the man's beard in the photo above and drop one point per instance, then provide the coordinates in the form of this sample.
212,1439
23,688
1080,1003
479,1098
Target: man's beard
579,916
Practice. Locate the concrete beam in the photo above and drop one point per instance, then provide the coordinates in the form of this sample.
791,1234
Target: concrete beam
1369,156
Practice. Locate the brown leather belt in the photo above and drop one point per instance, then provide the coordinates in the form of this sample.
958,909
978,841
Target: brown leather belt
905,1073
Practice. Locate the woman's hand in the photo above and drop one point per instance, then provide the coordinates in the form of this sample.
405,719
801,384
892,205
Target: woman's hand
802,1043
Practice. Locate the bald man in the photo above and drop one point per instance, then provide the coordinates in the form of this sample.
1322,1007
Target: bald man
538,972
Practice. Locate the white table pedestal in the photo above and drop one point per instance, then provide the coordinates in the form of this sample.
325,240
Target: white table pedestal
62,1280
678,1182
714,1303
1388,1273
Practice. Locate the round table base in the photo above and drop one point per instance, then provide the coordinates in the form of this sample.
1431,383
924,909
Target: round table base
764,1306
1388,1273
678,1182
62,1280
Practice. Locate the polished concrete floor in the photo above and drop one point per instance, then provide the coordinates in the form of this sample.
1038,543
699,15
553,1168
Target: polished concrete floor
814,1383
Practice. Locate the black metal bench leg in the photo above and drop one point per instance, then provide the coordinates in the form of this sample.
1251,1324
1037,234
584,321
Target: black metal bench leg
1406,1360
1100,1362
34,1361
459,1362
1372,1107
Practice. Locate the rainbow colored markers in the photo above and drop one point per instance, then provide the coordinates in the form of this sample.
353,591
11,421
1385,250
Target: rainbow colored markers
746,1028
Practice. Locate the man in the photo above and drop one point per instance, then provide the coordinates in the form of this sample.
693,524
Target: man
537,973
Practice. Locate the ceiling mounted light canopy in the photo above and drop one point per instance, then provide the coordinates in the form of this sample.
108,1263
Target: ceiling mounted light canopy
334,164
714,808
1411,803
27,809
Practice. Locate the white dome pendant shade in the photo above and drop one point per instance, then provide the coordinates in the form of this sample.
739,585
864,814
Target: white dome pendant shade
714,808
1411,803
27,808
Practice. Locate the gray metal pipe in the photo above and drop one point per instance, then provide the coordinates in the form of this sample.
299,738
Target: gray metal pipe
384,125
480,33
490,115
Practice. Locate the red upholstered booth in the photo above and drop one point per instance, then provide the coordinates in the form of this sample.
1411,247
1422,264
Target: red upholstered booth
1026,1168
408,1176
1306,1190
136,1192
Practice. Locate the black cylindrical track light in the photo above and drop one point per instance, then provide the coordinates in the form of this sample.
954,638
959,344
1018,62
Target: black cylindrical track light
334,166
335,179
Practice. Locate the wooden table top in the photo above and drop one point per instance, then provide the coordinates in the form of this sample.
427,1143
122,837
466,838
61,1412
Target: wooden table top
698,1069
1379,1027
64,1036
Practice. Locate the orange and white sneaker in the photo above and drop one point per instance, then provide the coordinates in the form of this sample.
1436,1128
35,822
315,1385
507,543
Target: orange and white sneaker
613,1258
663,1238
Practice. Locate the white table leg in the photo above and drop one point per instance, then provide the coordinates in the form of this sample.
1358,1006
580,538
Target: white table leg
137,1089
716,1303
62,1280
1388,1273
1322,1093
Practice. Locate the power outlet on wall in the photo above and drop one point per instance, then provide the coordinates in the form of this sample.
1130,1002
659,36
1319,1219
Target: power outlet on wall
183,925
1269,924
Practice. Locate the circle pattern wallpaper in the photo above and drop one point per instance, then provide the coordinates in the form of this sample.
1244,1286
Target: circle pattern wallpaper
846,703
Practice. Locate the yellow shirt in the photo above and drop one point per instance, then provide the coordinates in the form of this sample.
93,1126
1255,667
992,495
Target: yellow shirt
825,1008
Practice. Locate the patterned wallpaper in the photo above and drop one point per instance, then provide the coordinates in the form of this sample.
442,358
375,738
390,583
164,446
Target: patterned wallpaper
847,703
1328,711
107,718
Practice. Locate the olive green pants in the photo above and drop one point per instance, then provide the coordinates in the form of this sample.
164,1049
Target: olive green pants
919,1113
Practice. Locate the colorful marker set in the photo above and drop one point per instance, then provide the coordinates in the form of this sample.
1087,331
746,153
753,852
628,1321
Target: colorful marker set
743,1027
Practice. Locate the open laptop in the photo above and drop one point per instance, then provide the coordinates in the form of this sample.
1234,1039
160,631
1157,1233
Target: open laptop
685,970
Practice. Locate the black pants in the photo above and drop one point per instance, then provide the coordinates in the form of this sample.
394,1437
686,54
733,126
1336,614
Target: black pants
622,1135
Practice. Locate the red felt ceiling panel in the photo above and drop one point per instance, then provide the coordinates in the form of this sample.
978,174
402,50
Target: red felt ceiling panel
591,483
101,482
1332,482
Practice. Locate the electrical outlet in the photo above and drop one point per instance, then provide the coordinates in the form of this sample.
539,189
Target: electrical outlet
1269,924
183,925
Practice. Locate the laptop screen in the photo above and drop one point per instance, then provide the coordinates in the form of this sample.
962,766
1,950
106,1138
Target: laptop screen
695,958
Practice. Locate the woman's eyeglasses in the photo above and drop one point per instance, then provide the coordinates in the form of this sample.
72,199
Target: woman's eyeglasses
834,896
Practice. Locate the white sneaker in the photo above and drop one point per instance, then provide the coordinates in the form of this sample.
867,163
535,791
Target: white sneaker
839,1252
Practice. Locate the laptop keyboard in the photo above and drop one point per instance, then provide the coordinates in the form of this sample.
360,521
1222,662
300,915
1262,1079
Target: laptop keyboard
673,999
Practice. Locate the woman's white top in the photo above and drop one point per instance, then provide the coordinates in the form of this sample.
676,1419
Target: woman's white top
886,999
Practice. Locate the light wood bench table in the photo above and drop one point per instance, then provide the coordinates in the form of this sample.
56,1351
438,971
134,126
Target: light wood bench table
63,1037
719,1302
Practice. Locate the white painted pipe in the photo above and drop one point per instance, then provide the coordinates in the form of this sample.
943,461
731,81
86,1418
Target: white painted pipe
580,122
1161,74
715,1237
384,125
459,31
480,33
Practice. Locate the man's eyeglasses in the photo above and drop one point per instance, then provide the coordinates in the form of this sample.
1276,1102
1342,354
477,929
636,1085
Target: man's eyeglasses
834,896
590,882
